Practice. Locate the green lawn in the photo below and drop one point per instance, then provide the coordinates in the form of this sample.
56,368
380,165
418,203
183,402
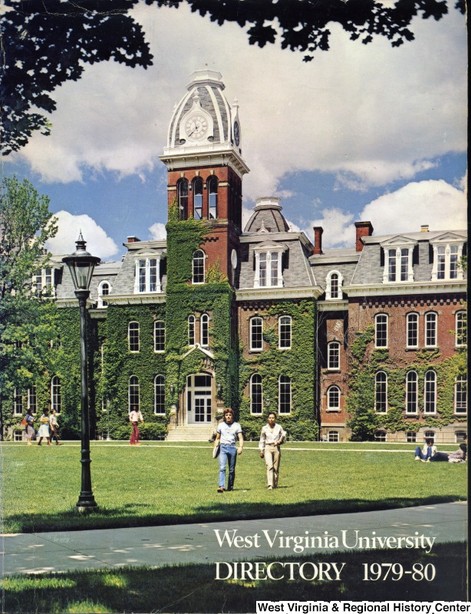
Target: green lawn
162,483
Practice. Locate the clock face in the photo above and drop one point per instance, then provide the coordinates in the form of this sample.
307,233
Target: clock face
196,127
236,133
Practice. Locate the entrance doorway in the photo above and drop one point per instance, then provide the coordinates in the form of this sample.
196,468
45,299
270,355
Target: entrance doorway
198,398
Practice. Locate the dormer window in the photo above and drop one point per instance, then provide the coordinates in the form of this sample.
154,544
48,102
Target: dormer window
148,274
446,261
398,264
333,289
268,267
104,289
43,282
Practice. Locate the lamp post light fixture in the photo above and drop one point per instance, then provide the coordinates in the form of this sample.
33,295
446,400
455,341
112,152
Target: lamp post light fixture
81,265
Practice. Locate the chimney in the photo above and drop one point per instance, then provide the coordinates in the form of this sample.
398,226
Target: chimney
424,228
133,239
364,229
318,230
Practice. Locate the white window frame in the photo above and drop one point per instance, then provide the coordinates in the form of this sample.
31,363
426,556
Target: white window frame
134,393
333,356
147,274
161,335
333,437
198,267
102,302
204,330
412,321
256,387
134,337
285,324
56,394
255,323
159,395
412,393
191,330
379,403
431,317
270,275
43,281
377,325
17,403
329,294
334,389
394,256
461,329
283,394
460,396
430,392
448,254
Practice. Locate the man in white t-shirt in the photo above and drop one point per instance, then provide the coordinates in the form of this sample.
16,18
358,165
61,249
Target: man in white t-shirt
228,433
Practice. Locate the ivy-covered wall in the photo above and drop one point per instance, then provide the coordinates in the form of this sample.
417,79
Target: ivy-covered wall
298,363
365,362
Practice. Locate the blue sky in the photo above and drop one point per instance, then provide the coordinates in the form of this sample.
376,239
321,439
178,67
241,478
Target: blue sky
362,132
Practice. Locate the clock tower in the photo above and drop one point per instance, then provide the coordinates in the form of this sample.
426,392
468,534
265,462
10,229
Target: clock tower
205,167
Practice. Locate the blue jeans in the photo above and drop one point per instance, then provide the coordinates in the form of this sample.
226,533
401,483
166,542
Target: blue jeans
227,455
421,455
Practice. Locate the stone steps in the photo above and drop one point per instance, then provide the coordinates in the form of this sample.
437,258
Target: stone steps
192,432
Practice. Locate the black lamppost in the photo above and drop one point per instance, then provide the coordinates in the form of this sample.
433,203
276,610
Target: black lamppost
81,265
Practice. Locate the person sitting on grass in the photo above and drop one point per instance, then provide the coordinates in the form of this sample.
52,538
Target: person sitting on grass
427,452
459,456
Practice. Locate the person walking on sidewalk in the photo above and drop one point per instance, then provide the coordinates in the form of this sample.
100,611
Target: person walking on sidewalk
227,434
135,417
28,423
54,427
43,432
271,438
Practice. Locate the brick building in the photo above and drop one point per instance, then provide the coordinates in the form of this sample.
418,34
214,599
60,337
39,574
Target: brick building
259,318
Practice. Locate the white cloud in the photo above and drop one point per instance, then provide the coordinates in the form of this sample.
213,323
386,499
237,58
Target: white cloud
368,112
69,227
158,231
434,203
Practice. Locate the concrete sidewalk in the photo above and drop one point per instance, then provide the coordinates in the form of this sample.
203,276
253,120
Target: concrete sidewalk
37,553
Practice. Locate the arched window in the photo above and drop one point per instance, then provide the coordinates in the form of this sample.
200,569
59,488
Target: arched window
197,198
159,336
256,394
430,435
412,330
56,397
104,289
461,332
204,332
431,329
333,398
333,356
333,436
133,337
284,332
412,392
212,198
380,435
134,401
381,330
461,395
256,334
182,195
198,272
381,392
430,392
284,395
159,394
333,289
191,330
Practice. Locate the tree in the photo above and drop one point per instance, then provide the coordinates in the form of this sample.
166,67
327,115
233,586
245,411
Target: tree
47,43
27,316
